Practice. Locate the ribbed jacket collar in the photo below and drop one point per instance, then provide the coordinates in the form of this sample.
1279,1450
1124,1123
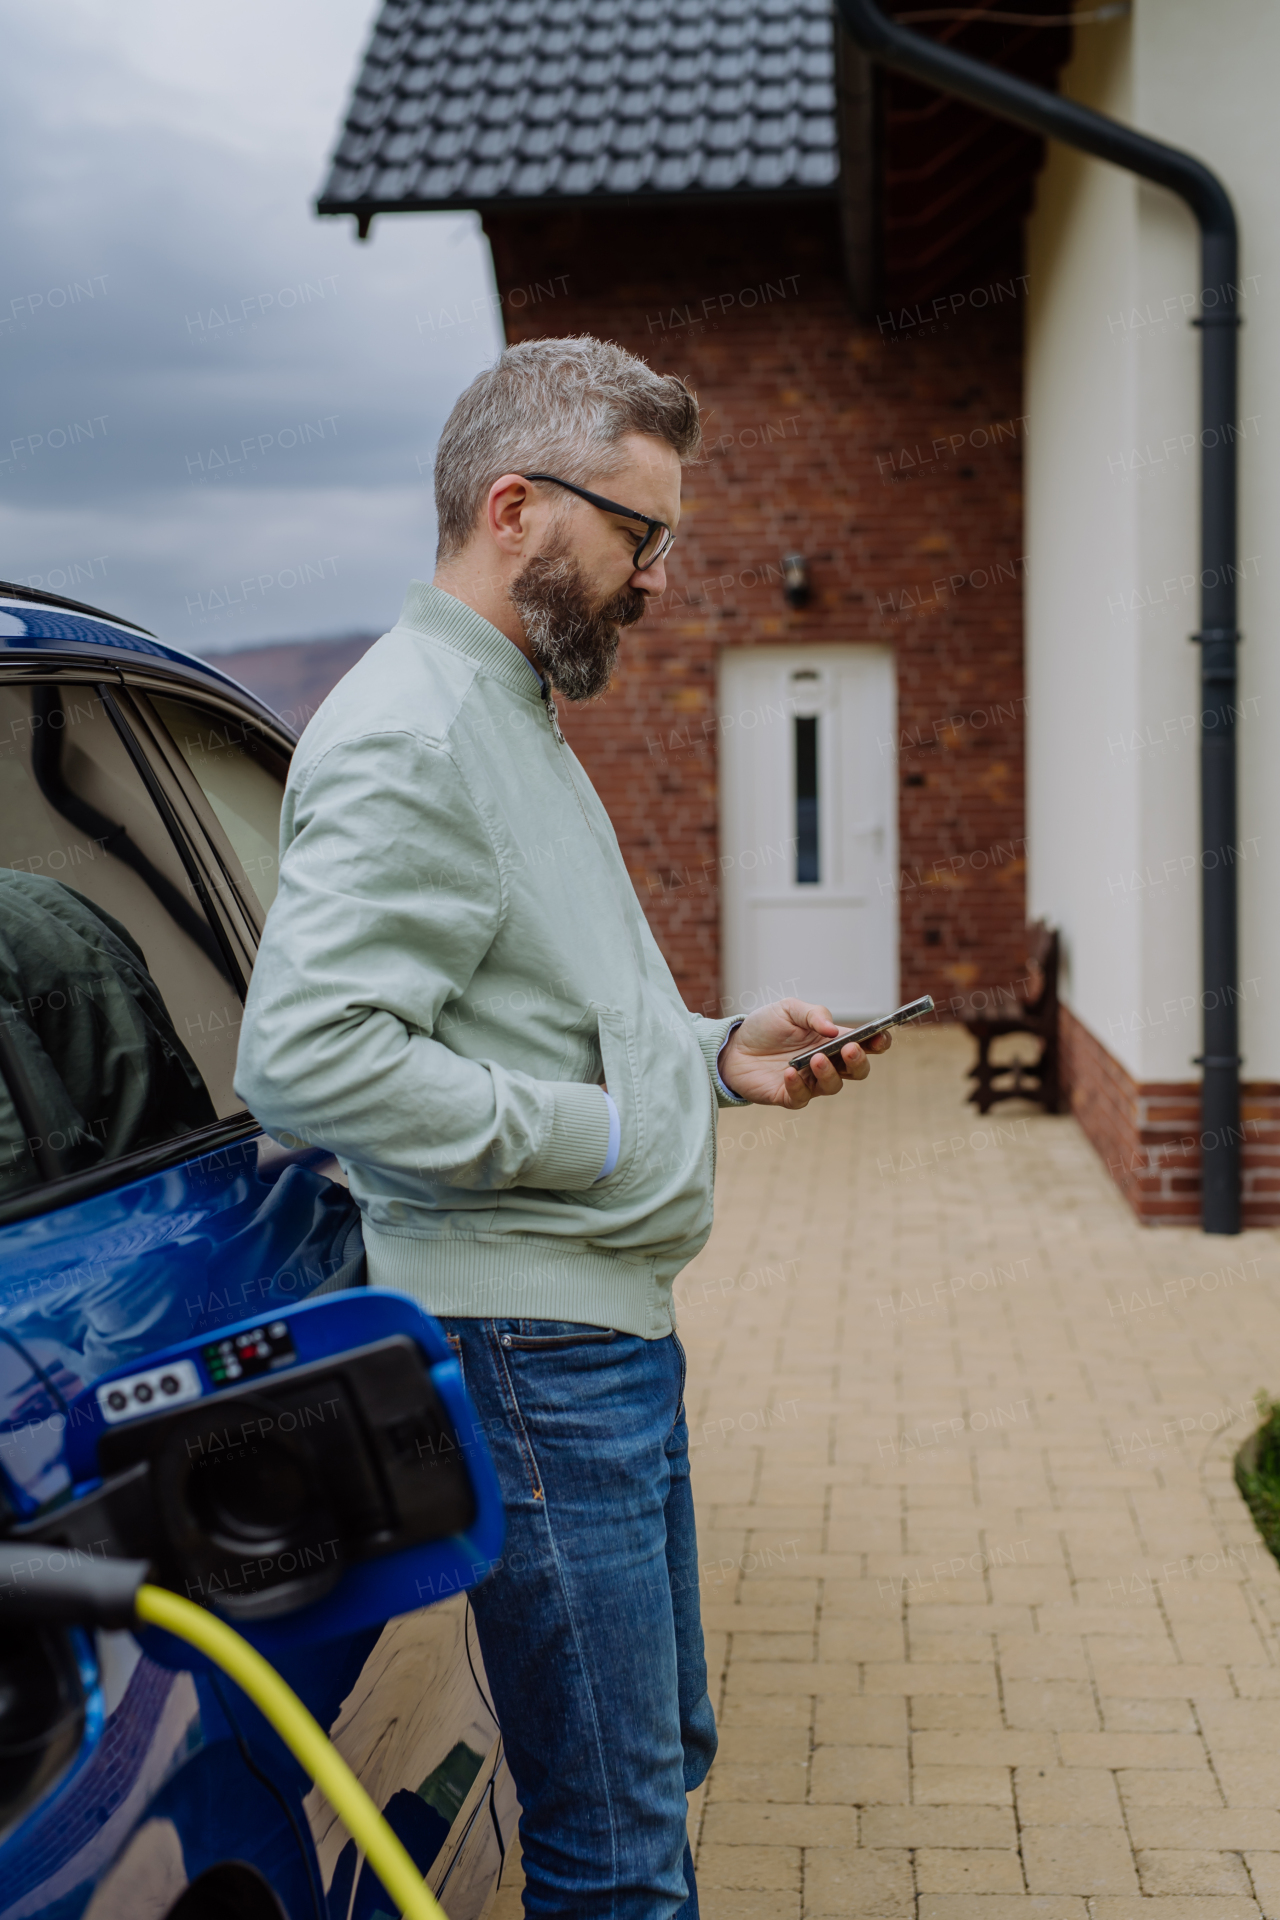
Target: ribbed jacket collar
440,616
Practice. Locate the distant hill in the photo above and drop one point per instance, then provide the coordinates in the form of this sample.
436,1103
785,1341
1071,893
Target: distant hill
294,676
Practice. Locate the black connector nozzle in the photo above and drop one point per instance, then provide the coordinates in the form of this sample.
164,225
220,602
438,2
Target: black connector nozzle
68,1586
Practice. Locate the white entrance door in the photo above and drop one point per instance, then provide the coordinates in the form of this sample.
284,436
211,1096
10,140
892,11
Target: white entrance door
809,827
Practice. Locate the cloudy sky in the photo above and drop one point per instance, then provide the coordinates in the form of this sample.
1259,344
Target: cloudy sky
219,411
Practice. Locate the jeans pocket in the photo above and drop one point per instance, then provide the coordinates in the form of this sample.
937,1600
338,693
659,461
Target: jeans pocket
684,1375
567,1334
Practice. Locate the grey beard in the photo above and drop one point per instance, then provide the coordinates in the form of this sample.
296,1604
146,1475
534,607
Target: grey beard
572,642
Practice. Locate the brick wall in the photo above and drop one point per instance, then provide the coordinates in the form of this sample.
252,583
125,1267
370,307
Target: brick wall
1149,1137
890,455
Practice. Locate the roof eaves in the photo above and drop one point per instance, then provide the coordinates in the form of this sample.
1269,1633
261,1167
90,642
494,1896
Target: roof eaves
367,208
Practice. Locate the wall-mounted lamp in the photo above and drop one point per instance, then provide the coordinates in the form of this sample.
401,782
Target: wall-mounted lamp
795,579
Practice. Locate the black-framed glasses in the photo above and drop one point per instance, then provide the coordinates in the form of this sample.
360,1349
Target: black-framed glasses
658,538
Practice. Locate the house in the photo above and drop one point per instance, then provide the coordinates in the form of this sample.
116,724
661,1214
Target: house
1113,503
891,311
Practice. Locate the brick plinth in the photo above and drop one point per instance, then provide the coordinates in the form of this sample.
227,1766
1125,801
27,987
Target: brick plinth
890,456
1148,1134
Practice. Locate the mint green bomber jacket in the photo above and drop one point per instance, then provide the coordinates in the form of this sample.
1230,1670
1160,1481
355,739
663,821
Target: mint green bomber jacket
455,958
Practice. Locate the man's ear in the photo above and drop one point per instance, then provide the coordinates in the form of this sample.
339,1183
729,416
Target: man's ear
507,512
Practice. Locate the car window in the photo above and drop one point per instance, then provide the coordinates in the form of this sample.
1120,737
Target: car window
118,1012
242,774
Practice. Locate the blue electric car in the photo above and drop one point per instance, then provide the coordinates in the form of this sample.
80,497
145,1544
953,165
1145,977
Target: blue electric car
142,1208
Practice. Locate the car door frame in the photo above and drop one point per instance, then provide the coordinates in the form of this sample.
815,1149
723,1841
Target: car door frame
224,869
192,827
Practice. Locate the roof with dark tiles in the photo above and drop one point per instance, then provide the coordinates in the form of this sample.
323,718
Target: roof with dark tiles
475,103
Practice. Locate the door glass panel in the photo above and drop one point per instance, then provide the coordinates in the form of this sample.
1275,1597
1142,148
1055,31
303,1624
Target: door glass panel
120,1019
242,774
806,726
809,914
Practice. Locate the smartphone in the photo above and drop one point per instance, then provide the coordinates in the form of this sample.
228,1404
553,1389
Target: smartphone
912,1011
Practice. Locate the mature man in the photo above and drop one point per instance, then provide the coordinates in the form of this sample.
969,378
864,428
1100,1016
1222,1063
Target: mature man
458,992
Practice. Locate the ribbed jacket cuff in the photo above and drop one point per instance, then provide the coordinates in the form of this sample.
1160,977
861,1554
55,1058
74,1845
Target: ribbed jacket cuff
711,1036
578,1143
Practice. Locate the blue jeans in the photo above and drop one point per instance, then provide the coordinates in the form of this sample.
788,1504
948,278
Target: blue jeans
590,1626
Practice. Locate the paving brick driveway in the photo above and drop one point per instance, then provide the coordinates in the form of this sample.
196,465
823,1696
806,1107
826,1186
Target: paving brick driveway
991,1631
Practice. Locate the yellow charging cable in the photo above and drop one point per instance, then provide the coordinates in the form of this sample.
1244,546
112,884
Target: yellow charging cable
304,1739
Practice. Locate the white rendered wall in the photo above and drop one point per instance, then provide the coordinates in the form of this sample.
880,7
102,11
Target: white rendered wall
1113,537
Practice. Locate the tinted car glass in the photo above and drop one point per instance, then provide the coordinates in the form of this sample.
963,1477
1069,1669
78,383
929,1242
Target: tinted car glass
242,774
120,1017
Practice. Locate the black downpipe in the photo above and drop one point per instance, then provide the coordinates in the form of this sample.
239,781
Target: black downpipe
1011,98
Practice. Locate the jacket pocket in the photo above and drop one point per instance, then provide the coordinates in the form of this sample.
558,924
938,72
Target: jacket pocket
622,1078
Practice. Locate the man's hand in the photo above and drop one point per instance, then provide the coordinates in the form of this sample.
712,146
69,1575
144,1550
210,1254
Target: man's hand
754,1064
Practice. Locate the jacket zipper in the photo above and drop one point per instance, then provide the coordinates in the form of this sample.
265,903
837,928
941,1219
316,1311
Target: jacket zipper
554,718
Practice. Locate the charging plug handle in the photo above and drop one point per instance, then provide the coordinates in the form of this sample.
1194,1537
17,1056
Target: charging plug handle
68,1587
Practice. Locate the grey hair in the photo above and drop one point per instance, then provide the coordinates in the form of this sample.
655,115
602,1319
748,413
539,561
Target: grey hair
554,406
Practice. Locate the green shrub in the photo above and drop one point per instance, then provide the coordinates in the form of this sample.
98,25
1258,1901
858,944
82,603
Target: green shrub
1258,1473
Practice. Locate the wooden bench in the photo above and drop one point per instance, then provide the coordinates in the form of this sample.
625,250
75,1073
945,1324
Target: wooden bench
1038,1015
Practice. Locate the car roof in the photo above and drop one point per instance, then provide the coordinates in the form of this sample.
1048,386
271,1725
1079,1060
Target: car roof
40,624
